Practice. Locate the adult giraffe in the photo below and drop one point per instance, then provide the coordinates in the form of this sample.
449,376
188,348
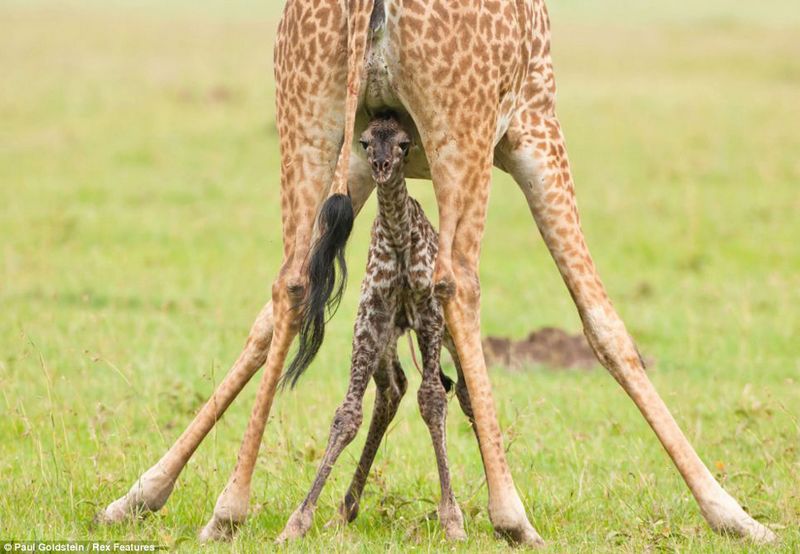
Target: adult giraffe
474,80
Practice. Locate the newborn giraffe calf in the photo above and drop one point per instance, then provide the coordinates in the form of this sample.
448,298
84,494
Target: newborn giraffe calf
396,295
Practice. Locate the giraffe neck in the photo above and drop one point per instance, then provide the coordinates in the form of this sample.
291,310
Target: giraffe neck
394,212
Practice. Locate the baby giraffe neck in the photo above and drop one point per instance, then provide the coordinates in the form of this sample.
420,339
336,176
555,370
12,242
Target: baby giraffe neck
393,209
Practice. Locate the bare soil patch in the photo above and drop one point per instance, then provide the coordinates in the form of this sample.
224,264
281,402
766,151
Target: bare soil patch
549,347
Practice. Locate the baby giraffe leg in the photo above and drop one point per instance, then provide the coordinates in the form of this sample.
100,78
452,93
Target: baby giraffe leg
432,400
391,385
370,332
345,425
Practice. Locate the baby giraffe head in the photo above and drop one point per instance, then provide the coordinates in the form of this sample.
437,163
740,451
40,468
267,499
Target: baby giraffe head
387,145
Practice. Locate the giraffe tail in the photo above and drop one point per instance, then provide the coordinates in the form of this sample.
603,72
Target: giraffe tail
327,270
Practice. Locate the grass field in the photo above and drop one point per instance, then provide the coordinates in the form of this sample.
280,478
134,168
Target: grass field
139,233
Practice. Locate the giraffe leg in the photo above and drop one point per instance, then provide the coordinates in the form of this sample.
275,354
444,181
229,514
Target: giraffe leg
536,156
432,400
344,428
461,173
153,487
371,334
230,510
391,385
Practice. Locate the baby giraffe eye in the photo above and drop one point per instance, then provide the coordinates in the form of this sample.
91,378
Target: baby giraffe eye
405,146
364,144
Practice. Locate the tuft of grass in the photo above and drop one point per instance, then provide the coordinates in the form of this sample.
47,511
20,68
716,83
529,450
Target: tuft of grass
140,232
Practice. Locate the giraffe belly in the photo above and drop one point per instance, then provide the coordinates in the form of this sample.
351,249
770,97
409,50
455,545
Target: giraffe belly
380,90
379,94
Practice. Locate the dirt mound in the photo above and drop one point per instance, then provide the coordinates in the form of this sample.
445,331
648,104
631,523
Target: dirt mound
548,346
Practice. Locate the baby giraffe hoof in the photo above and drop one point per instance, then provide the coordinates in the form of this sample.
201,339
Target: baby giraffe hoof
348,509
454,530
452,522
347,513
297,526
219,530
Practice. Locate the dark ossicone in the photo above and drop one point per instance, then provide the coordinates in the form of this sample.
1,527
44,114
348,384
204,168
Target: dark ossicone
325,283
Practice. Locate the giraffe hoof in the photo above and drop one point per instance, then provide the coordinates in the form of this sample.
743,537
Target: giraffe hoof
454,530
219,529
524,535
455,534
452,522
726,517
148,494
122,509
298,525
751,529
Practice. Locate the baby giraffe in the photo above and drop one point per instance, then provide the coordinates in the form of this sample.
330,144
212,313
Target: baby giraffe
396,295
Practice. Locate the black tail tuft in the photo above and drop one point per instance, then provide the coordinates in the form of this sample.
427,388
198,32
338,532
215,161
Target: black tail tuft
447,382
325,283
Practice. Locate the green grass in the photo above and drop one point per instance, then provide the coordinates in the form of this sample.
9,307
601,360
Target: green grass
139,233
